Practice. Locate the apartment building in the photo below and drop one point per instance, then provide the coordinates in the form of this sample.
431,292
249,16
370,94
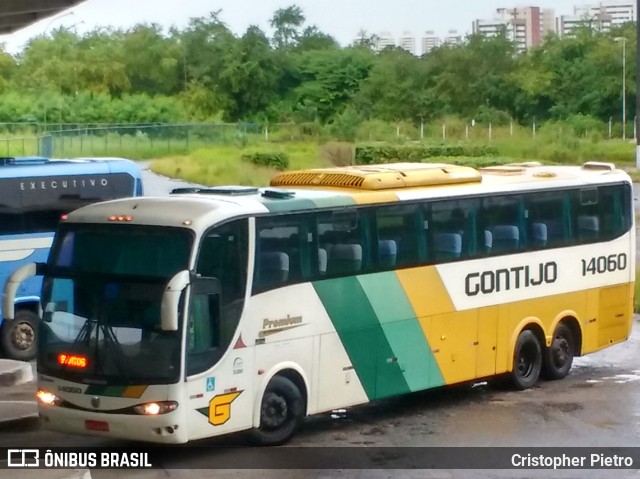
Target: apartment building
408,42
453,38
600,16
384,40
430,41
525,26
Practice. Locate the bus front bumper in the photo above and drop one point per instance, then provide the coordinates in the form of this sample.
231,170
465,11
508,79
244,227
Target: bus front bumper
163,428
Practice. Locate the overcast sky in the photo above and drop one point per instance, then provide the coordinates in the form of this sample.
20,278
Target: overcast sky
342,19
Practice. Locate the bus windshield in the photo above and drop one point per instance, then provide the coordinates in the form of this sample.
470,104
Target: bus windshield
101,304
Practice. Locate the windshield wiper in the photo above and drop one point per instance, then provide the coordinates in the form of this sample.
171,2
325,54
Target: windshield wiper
113,346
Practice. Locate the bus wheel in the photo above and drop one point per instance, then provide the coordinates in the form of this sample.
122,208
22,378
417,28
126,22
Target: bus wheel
527,361
558,358
281,412
18,337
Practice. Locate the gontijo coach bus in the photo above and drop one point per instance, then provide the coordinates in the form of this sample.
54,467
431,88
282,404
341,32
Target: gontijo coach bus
34,193
236,308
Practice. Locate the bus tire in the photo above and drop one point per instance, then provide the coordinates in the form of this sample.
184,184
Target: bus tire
18,337
281,412
558,357
527,361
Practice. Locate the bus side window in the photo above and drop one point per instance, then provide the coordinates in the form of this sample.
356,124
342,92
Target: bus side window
502,224
204,342
346,238
545,219
452,230
224,256
613,211
586,215
283,252
399,236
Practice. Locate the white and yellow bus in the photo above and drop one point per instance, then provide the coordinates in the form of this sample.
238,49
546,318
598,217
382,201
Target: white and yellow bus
218,310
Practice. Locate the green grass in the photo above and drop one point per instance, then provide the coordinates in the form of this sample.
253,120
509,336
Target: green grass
570,150
223,165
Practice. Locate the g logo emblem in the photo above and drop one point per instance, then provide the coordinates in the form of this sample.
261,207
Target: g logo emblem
220,408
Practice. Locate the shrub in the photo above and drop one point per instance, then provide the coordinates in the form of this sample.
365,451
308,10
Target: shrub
376,130
277,160
345,125
337,153
385,153
584,125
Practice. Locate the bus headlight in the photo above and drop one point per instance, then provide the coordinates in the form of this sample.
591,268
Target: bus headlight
155,408
47,399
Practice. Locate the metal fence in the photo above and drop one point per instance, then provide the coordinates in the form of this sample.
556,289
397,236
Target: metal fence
143,141
21,146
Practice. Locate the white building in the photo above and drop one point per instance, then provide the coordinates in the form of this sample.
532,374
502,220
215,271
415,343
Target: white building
430,41
453,38
384,40
600,16
408,42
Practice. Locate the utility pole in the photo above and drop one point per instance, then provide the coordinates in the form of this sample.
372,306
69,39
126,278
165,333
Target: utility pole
637,115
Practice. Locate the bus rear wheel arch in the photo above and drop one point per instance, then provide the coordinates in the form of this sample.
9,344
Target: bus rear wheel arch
527,360
281,412
18,337
558,357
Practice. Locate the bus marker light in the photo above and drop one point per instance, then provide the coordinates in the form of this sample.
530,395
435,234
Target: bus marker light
260,372
64,217
120,218
96,425
73,360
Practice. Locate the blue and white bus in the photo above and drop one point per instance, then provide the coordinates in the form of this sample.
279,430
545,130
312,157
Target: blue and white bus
35,193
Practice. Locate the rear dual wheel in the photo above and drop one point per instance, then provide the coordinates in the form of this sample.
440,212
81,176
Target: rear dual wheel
531,360
558,357
527,361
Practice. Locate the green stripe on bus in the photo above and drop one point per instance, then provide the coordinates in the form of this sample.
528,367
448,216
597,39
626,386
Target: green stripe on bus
293,204
330,201
361,333
402,329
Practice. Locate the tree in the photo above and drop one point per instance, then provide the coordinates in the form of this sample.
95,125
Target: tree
151,60
250,76
397,88
287,22
366,41
7,68
473,75
207,45
314,39
329,80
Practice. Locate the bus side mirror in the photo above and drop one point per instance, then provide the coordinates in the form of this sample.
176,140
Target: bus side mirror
13,283
170,300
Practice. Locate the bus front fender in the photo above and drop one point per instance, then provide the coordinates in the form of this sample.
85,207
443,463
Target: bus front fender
13,283
262,383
